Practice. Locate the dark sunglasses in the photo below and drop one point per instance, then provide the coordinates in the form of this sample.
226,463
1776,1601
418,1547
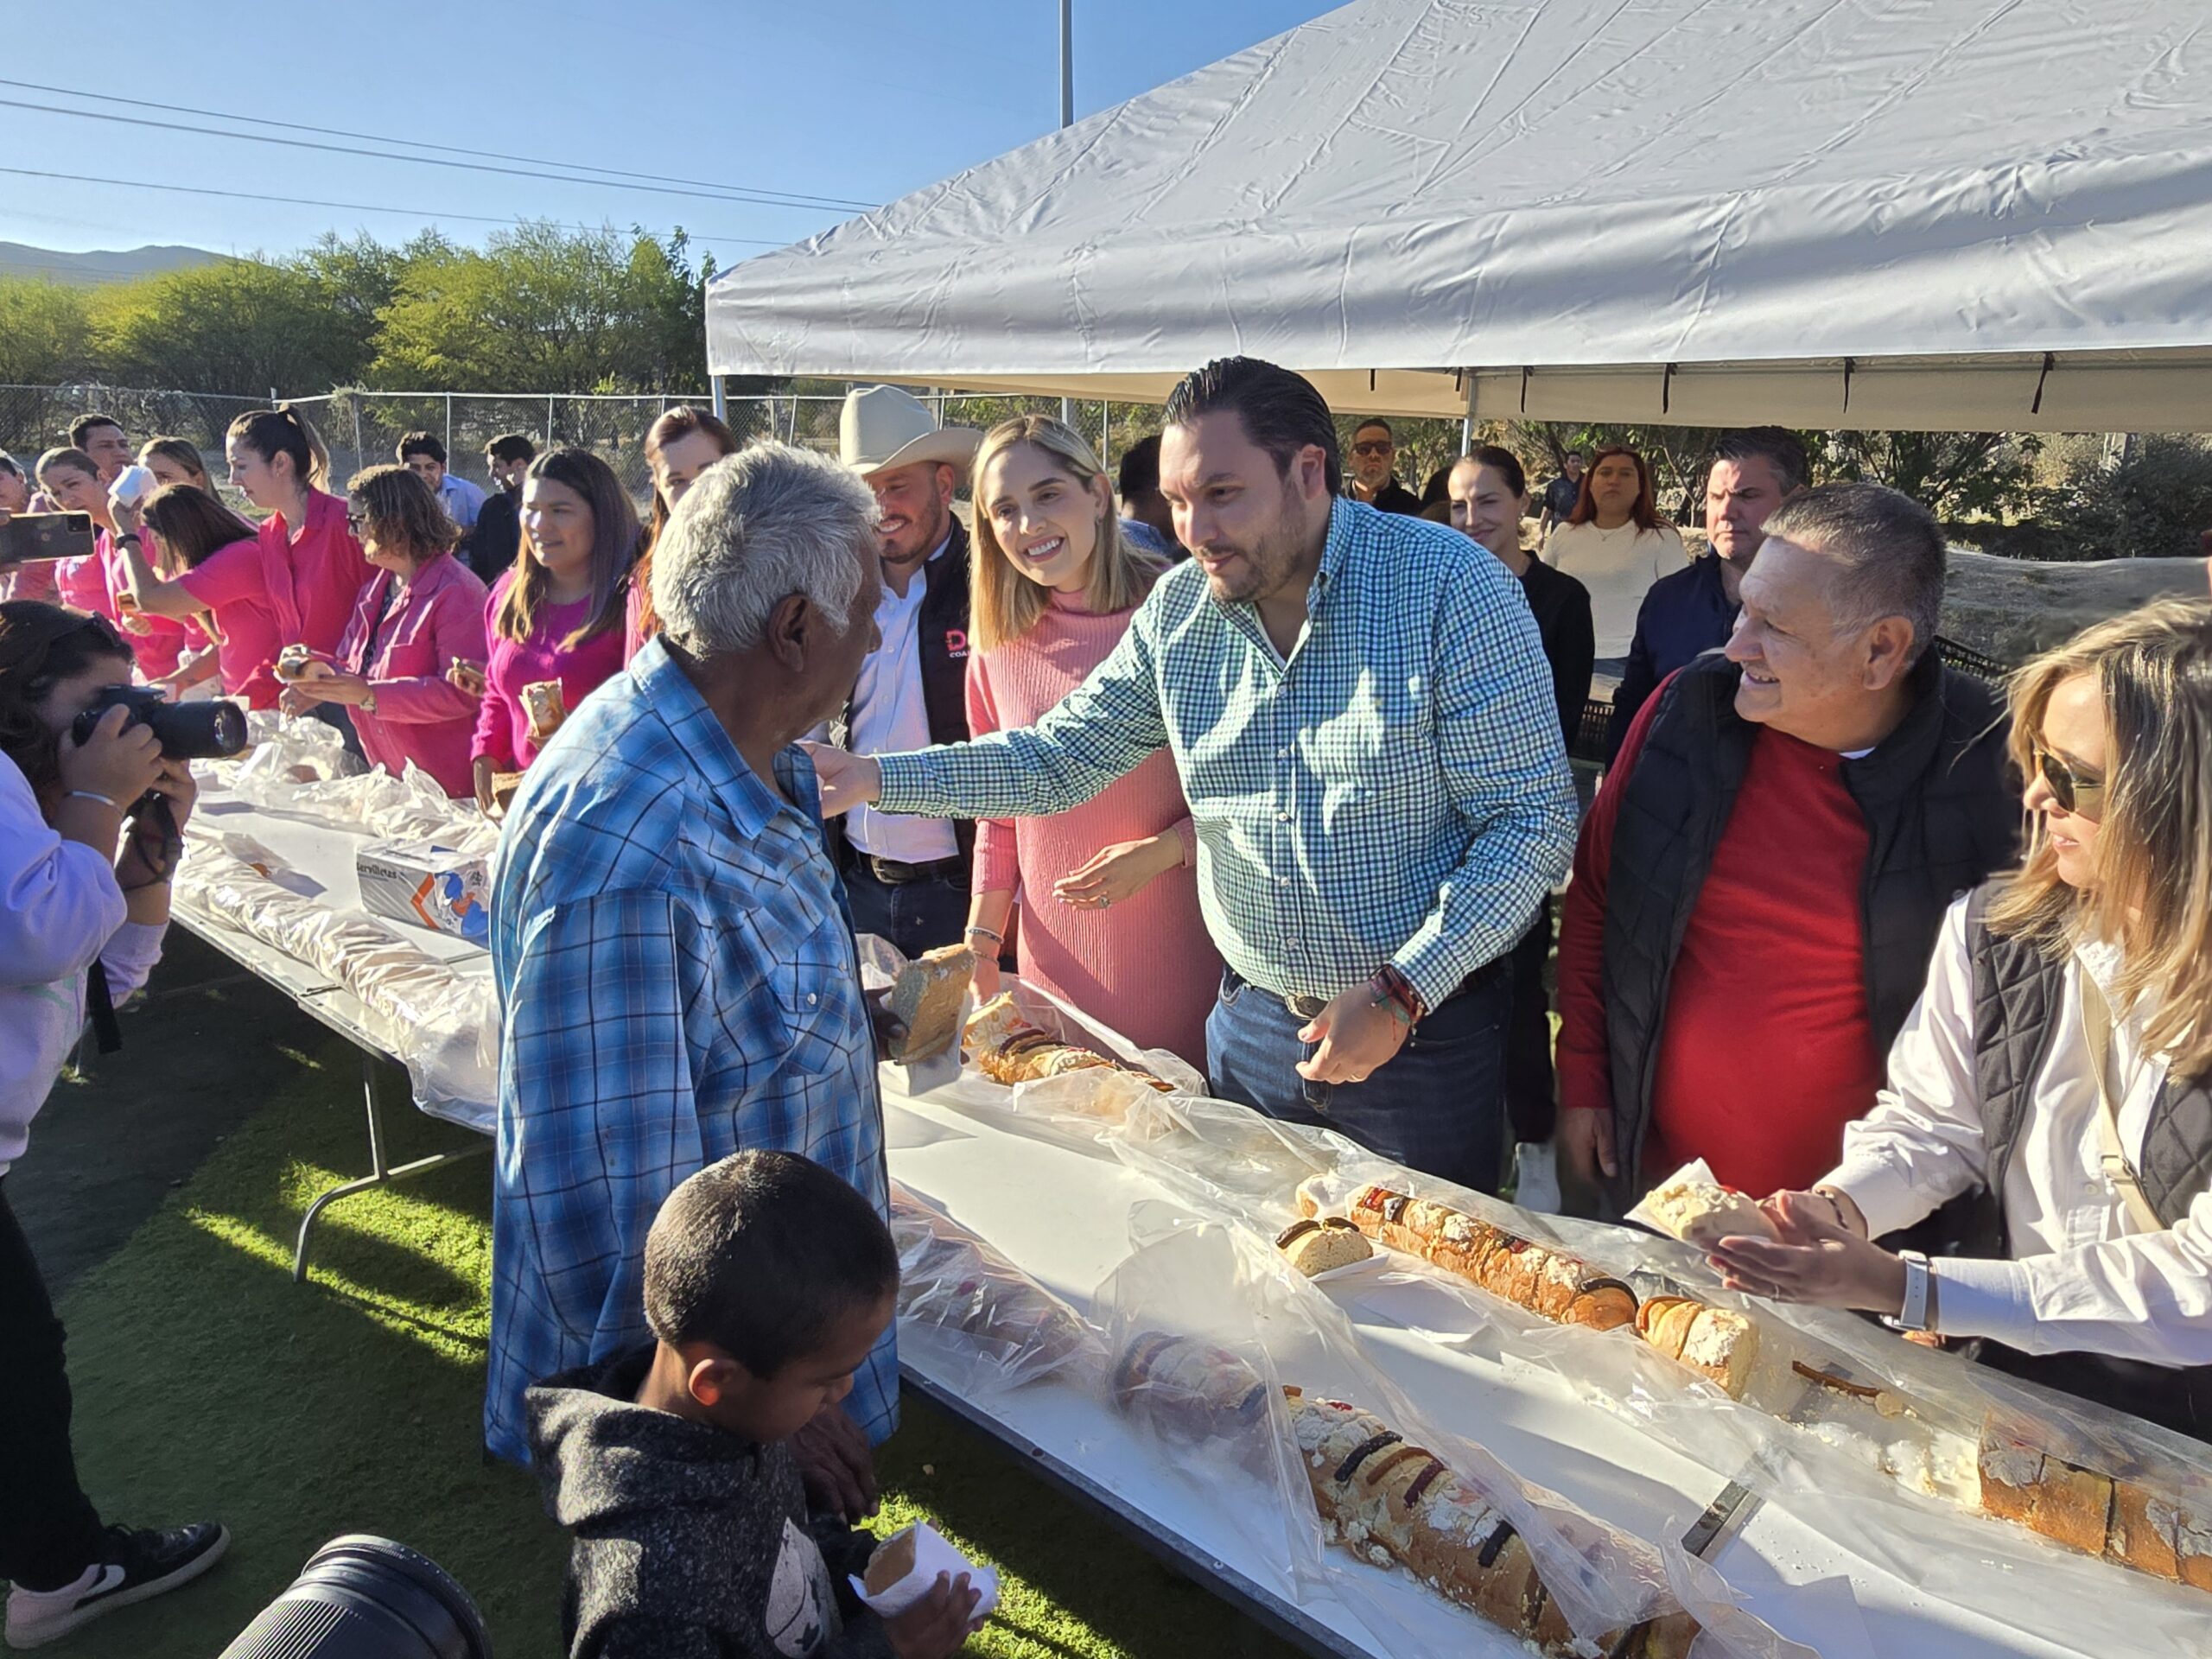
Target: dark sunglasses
357,522
1373,448
2082,795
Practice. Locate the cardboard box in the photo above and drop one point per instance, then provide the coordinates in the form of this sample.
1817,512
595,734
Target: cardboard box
430,886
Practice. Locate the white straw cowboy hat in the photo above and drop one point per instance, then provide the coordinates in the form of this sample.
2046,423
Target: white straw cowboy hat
882,427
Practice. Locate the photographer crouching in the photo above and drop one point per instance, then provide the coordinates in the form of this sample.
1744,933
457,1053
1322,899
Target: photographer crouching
89,815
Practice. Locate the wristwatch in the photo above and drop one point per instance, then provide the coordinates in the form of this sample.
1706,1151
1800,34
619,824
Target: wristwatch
1919,1313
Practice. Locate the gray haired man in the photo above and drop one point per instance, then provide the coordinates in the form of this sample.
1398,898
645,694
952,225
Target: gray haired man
674,961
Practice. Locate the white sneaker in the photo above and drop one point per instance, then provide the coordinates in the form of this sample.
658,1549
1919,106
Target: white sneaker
134,1566
1536,1177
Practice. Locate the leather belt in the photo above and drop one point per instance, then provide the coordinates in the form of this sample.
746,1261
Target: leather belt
895,873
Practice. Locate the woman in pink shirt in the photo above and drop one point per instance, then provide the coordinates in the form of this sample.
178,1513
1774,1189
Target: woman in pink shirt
681,444
421,610
219,565
1109,892
72,481
279,462
557,614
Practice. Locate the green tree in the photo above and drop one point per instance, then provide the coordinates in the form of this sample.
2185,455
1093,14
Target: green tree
1952,474
541,308
239,326
357,277
2153,503
44,336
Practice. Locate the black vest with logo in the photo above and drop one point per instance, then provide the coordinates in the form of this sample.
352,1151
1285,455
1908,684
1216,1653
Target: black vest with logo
1942,814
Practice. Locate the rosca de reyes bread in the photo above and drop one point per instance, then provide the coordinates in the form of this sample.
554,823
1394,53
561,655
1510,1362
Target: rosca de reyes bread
1010,1050
2124,1520
1532,1275
1392,1504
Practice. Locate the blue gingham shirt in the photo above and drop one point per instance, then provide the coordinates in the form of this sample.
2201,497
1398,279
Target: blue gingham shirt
1395,790
678,982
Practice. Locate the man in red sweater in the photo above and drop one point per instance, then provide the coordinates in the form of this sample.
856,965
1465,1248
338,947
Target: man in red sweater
1759,883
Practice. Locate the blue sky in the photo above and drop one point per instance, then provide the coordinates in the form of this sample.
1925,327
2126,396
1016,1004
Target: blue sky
853,99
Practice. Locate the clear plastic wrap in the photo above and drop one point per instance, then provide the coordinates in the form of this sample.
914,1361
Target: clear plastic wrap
983,1324
1075,1108
1209,1330
442,1025
299,768
1886,1432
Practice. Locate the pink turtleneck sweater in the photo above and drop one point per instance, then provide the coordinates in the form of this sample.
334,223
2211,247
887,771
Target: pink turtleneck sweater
1146,966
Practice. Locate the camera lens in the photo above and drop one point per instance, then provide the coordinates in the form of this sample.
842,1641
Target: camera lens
365,1598
197,731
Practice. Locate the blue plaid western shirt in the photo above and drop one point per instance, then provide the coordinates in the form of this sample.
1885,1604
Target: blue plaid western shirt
1394,791
677,982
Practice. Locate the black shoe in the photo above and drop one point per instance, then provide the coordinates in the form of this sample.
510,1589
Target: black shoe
133,1566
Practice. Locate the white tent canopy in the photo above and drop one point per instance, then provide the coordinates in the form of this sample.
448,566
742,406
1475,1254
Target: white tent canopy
1949,214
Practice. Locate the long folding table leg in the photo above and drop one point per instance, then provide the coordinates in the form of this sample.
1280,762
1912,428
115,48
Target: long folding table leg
379,1174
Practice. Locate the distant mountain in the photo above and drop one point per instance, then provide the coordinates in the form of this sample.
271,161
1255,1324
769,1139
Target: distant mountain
99,265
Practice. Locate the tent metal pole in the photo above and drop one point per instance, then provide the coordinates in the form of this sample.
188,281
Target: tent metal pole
1067,119
1467,421
722,399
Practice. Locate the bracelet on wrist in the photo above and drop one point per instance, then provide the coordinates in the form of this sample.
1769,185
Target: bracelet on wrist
995,939
107,801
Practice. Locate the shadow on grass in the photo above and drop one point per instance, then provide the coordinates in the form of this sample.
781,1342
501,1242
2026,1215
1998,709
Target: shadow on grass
207,1383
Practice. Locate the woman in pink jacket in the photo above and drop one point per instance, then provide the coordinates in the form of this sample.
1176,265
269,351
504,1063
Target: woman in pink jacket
421,611
1108,893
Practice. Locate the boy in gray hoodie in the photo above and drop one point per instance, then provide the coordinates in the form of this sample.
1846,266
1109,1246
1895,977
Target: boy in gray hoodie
767,1281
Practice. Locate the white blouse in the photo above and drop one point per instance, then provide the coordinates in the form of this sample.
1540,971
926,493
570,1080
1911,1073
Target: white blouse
1619,566
2090,1279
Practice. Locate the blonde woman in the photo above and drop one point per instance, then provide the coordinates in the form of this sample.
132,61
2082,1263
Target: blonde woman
2068,1014
1109,892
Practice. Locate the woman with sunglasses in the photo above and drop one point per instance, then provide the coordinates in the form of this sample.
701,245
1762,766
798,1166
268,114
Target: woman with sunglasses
2059,1066
422,610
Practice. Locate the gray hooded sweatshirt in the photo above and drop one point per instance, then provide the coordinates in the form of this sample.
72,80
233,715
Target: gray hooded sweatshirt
690,1543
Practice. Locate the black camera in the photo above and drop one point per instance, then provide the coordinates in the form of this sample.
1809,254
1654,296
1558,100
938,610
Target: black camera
365,1597
185,731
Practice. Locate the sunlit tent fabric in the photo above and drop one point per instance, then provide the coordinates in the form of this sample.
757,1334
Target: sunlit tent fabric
1991,214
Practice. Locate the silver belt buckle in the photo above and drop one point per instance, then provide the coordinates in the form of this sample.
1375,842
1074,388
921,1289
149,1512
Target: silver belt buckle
1305,1007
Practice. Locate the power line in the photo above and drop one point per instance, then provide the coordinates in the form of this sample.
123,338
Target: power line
749,199
787,198
347,207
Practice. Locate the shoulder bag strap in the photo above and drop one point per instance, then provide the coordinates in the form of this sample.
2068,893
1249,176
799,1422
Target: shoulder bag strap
2096,1028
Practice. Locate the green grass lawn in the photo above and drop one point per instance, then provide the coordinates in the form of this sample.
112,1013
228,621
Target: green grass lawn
208,1384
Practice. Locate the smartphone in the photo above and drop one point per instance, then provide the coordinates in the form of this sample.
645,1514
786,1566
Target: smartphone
29,535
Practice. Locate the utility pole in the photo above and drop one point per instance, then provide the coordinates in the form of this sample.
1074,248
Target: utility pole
1067,119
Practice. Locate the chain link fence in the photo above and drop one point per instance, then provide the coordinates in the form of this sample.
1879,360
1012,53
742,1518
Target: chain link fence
363,429
34,419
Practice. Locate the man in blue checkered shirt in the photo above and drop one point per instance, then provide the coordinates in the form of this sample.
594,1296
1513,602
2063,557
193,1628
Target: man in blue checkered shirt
1359,707
676,965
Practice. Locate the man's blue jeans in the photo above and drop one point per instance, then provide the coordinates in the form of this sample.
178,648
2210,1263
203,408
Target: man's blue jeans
1438,1105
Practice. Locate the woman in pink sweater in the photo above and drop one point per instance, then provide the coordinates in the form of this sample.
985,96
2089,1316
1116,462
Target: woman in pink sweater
419,612
557,614
1108,893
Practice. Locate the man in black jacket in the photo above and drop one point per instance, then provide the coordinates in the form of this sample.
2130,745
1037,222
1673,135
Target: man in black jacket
907,879
1760,883
1373,474
1691,611
490,547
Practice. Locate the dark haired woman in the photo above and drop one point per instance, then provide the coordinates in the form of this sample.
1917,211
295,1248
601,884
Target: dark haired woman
70,904
221,567
1488,496
1616,544
421,611
278,462
683,443
556,617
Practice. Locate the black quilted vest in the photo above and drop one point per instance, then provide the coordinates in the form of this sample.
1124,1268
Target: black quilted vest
2018,992
1941,810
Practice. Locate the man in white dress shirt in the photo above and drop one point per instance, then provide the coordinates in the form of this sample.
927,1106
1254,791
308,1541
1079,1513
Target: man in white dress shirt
907,878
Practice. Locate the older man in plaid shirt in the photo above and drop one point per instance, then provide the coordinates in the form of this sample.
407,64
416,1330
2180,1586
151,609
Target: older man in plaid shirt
675,962
1360,709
